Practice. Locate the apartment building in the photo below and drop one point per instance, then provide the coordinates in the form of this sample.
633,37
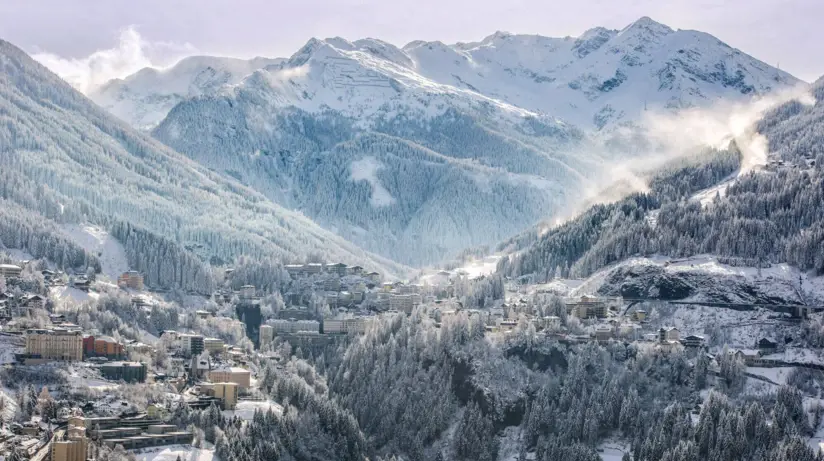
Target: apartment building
106,346
267,334
213,345
344,326
54,344
227,392
280,326
192,344
70,444
10,270
130,372
240,376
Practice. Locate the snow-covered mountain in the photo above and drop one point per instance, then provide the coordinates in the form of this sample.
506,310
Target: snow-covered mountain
603,77
421,151
143,99
68,161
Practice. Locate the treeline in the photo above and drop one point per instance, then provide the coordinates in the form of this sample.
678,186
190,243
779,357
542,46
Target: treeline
607,233
41,238
453,393
163,263
768,216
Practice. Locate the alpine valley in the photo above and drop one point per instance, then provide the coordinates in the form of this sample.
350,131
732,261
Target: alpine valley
417,153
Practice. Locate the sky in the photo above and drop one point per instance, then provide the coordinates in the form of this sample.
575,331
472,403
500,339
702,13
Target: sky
102,39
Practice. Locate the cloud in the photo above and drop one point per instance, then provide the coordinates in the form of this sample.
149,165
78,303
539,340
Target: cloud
667,137
131,54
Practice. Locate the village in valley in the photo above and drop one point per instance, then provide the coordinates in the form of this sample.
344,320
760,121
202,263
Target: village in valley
128,393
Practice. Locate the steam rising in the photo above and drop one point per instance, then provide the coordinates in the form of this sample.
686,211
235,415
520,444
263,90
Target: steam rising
131,54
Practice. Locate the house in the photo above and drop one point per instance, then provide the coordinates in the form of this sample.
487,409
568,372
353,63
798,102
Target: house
748,356
639,315
337,268
33,302
603,333
374,277
203,315
667,334
765,346
693,342
82,283
354,270
131,279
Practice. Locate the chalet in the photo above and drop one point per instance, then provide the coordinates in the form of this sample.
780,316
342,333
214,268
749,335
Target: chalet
354,270
639,315
34,302
337,268
693,342
765,346
667,334
374,277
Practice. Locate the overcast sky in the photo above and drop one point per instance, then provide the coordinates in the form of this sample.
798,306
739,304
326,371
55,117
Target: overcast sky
787,33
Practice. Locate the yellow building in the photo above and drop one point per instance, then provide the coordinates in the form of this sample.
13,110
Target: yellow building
54,344
228,393
213,345
239,376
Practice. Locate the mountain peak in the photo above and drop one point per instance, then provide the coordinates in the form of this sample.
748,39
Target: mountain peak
647,25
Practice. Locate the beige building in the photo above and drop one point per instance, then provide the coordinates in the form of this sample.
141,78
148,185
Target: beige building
70,445
228,393
337,326
267,334
55,344
240,376
213,345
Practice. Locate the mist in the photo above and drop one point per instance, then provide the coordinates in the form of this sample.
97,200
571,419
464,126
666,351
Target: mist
131,54
666,138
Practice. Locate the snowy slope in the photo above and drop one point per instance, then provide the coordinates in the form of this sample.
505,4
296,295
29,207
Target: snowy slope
143,99
69,159
97,241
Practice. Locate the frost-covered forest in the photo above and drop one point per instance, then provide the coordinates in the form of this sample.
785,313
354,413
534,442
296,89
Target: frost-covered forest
776,215
455,180
454,394
71,162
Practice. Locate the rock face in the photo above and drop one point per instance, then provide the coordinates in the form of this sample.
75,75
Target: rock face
655,282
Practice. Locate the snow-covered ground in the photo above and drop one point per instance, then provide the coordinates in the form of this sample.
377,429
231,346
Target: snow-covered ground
173,452
777,375
246,409
799,355
71,294
366,169
612,450
96,240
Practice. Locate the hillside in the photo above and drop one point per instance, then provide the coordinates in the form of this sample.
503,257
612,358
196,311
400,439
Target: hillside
71,162
773,214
